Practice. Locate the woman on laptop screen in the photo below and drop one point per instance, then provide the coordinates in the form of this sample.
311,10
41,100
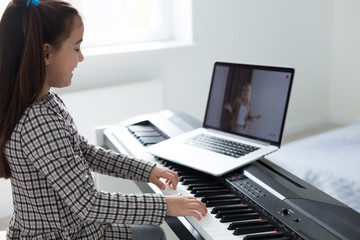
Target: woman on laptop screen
240,110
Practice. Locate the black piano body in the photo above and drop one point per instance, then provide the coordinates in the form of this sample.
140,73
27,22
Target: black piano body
260,195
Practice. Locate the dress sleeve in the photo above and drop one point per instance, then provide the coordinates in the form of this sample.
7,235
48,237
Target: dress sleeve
115,164
48,141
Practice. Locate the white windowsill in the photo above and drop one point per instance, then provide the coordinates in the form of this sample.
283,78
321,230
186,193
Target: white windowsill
136,48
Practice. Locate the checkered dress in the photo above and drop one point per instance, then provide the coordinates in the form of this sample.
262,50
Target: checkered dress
53,191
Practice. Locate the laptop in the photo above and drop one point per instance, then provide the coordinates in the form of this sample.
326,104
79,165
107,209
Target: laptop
244,120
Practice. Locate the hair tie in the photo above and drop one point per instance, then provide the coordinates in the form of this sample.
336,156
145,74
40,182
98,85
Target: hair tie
34,2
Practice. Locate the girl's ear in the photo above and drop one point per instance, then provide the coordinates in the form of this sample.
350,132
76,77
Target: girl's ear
47,51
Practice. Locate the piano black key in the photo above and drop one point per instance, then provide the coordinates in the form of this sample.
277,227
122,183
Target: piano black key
164,162
179,171
151,140
149,144
253,229
139,128
174,165
228,207
239,217
218,197
220,214
213,203
147,134
192,185
186,176
203,193
234,225
204,188
212,186
187,181
265,236
176,169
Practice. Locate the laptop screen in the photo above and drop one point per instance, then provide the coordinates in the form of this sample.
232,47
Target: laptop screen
249,100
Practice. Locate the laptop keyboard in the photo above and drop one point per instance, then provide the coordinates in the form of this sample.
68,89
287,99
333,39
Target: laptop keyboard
220,145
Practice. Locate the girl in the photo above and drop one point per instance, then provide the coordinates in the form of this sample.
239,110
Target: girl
42,153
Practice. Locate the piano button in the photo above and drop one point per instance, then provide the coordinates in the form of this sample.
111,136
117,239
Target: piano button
272,236
258,222
203,193
213,203
220,214
253,229
239,217
228,207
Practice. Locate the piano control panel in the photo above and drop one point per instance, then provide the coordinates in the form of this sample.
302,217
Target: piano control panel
269,206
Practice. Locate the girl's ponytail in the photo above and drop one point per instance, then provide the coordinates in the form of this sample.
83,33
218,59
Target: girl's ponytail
24,29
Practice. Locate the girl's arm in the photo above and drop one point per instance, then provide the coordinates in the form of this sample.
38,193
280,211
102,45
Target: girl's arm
115,164
50,145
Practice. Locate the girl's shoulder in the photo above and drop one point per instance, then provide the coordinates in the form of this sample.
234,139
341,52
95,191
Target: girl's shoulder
48,107
48,103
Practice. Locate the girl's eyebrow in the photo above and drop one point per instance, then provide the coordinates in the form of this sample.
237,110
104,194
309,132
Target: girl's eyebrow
79,41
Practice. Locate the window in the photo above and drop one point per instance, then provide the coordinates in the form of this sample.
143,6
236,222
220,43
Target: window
114,22
151,24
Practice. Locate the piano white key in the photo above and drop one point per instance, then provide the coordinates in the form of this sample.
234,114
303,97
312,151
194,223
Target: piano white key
209,227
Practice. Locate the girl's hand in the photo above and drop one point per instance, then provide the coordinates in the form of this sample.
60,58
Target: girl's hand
185,206
171,177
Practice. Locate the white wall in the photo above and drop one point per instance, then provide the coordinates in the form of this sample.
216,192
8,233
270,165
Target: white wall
280,32
345,69
6,207
104,106
304,34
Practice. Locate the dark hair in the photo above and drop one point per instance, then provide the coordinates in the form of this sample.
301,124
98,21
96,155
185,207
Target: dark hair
23,33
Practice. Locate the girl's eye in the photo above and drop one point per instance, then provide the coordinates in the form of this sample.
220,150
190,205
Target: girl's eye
77,49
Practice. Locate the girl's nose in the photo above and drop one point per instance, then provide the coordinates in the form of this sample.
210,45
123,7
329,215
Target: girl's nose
81,57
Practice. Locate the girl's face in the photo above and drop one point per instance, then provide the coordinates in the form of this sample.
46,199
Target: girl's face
60,63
